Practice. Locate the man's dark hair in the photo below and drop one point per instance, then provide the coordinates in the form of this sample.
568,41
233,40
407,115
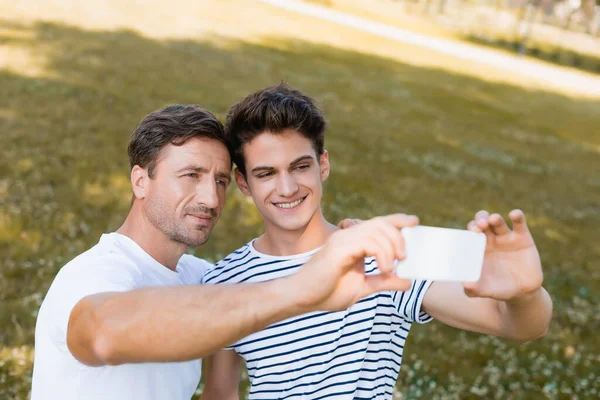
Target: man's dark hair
273,110
174,124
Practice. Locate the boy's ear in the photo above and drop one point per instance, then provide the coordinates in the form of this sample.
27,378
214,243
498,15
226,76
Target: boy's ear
241,182
139,181
324,164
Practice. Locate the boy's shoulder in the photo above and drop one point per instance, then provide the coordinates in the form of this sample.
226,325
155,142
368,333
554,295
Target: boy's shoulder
220,272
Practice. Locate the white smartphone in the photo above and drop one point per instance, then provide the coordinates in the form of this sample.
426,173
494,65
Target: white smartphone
442,254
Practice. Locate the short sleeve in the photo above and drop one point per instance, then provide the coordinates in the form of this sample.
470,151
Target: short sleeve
408,303
74,282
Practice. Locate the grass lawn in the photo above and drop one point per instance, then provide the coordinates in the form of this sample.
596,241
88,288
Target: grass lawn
409,131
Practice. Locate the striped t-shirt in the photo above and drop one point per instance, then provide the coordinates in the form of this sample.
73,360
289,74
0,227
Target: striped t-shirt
350,354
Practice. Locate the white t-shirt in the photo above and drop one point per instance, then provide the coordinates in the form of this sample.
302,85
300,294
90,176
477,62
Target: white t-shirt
115,264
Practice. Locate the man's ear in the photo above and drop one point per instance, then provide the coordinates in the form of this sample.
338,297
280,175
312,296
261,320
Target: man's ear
324,164
139,181
241,182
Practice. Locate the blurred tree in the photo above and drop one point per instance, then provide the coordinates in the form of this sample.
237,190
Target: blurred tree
527,18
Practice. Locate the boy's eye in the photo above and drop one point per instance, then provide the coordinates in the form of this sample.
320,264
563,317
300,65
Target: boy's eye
265,174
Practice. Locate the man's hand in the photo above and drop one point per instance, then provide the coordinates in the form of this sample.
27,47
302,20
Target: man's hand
348,222
335,277
511,267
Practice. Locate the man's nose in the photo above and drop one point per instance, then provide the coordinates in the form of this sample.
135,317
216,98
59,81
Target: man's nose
206,194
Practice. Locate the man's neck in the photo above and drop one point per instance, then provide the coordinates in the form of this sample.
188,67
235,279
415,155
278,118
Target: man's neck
279,242
150,239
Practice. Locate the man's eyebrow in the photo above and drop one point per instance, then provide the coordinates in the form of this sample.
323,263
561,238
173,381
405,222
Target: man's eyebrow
223,175
203,170
194,168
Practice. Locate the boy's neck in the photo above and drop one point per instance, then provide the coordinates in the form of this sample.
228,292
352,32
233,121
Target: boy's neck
279,242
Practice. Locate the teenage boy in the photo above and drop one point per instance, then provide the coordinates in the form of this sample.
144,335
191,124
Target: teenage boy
276,138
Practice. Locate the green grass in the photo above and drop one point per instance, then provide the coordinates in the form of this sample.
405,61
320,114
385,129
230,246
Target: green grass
423,140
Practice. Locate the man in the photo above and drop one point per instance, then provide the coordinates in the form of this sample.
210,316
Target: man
276,140
128,320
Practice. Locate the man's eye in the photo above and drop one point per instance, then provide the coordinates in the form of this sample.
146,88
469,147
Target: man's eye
265,174
303,166
192,175
221,182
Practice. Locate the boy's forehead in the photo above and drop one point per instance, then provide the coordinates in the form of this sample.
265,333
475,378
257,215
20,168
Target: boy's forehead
277,148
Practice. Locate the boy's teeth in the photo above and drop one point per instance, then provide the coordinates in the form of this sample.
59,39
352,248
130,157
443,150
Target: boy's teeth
289,205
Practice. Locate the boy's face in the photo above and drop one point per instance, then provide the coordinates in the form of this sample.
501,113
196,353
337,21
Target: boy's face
284,177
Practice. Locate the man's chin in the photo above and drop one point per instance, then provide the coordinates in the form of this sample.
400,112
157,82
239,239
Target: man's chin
196,242
195,239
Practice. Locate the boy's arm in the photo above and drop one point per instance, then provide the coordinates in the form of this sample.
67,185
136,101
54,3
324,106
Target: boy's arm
523,319
222,376
509,299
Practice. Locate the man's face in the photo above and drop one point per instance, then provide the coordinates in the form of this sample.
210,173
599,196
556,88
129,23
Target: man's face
187,193
284,177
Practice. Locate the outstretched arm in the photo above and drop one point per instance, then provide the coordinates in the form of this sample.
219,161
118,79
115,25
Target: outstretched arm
190,322
509,299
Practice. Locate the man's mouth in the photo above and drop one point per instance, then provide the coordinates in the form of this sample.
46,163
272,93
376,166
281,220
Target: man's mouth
202,219
290,205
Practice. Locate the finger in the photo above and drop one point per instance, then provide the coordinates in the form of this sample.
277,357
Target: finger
471,289
346,223
519,223
401,220
375,244
498,225
481,214
384,282
395,237
481,220
385,252
472,226
387,241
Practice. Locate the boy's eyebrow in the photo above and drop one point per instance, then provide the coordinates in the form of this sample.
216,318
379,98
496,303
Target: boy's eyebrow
296,161
302,158
262,168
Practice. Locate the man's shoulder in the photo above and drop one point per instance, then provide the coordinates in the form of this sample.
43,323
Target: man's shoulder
103,268
101,259
220,272
193,268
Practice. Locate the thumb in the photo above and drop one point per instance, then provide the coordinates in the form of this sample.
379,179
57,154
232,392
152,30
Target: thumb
348,222
384,282
472,289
